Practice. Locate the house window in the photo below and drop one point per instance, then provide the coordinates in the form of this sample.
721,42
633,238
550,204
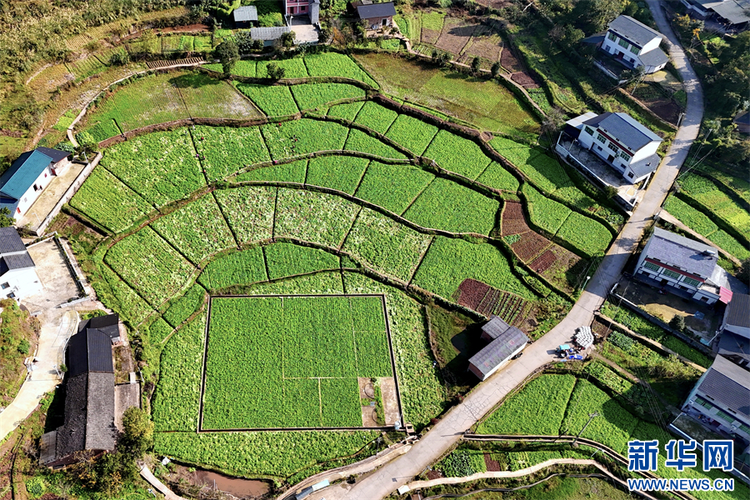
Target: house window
5,285
704,403
691,282
725,416
622,43
303,9
671,274
635,50
601,138
744,428
611,36
651,266
625,156
589,131
613,147
704,299
11,295
630,175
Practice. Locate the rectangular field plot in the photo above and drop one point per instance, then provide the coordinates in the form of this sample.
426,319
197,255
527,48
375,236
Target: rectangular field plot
294,361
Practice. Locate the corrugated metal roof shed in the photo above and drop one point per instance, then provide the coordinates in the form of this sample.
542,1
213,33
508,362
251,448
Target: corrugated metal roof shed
499,350
272,33
10,241
246,13
23,173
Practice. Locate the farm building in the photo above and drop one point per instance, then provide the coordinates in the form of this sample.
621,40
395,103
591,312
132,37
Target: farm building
624,144
89,402
720,400
634,45
245,17
686,267
269,34
27,177
18,277
109,325
310,8
734,15
505,342
377,15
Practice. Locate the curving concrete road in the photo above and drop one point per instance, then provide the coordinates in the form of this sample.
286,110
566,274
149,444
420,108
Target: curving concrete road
486,395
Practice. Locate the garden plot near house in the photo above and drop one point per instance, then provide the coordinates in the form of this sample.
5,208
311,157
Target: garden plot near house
455,35
296,359
335,64
293,68
709,198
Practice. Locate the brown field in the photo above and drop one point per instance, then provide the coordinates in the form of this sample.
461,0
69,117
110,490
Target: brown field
530,245
455,35
524,80
485,44
430,36
510,62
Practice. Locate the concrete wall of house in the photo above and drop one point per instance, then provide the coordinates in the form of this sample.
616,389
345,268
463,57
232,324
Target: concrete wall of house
629,51
651,45
379,22
646,151
20,282
30,196
737,425
294,7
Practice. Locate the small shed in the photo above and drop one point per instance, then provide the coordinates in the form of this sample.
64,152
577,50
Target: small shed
269,34
245,17
377,15
506,344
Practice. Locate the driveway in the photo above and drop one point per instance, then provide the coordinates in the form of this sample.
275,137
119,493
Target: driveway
486,395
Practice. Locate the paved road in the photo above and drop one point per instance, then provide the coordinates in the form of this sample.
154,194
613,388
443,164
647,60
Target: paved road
486,395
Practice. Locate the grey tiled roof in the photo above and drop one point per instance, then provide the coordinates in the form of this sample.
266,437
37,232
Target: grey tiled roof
71,437
728,384
108,324
376,10
735,11
738,310
734,345
100,412
272,33
18,261
678,251
498,350
645,166
246,13
634,31
10,241
653,58
624,129
495,327
89,351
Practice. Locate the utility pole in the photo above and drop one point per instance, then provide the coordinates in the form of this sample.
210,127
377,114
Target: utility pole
591,417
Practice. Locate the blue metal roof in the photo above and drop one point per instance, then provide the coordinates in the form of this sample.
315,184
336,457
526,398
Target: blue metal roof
23,173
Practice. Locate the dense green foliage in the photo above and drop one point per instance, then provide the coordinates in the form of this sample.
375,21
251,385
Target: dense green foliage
456,154
286,259
342,173
393,187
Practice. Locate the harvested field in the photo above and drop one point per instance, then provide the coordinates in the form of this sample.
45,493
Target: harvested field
471,292
524,80
543,262
430,36
509,61
484,44
487,301
492,465
666,110
513,220
455,35
530,245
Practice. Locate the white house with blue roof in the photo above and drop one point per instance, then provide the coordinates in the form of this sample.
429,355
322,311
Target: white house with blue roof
622,142
634,45
24,181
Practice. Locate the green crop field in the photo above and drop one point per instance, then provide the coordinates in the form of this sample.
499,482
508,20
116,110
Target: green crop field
243,67
333,64
287,259
296,360
273,101
182,308
546,213
108,201
346,111
467,212
249,211
298,137
314,95
393,187
336,172
456,154
711,198
294,171
496,176
225,150
585,234
364,142
161,167
237,268
376,117
413,134
293,68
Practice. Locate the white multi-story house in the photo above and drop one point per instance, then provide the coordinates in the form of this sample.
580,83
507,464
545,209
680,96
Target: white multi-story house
619,140
635,45
674,261
18,278
24,181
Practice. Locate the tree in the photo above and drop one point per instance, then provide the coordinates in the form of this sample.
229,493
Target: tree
287,39
677,323
5,217
228,54
475,64
138,435
744,273
119,58
275,72
495,69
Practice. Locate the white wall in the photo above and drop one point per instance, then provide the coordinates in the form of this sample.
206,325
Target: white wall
21,282
30,196
653,44
646,151
614,48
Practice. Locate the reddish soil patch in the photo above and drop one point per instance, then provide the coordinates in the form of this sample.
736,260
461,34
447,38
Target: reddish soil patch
492,465
484,45
524,80
455,35
11,133
509,61
530,245
513,220
430,36
471,292
600,328
434,474
566,266
543,262
489,302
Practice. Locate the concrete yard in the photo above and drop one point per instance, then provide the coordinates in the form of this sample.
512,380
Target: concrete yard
49,198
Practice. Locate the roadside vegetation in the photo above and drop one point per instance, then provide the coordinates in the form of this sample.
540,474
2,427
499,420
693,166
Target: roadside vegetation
18,335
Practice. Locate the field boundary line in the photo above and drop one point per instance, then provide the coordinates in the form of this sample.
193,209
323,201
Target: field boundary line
205,360
419,262
226,221
414,200
361,178
265,263
354,221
